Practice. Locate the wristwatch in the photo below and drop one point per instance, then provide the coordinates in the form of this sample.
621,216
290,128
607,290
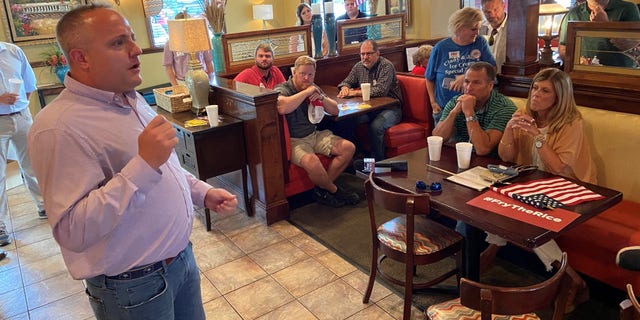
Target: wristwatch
539,140
471,118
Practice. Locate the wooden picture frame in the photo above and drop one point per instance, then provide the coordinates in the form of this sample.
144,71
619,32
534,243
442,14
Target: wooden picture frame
33,21
614,88
399,6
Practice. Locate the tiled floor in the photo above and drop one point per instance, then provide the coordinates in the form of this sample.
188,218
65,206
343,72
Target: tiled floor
249,271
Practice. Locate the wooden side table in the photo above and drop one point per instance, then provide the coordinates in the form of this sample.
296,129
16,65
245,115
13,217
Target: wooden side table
207,152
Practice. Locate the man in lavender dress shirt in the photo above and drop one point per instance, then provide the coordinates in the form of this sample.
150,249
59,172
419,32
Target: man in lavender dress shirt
118,202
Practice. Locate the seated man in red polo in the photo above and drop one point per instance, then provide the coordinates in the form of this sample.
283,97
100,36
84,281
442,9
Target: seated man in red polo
263,74
303,104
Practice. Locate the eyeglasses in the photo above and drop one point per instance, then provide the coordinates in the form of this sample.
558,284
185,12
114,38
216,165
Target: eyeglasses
364,54
491,37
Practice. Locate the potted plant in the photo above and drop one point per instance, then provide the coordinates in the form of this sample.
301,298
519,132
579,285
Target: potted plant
55,59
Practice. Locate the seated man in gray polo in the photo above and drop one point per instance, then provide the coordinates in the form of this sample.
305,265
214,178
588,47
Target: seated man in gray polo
299,97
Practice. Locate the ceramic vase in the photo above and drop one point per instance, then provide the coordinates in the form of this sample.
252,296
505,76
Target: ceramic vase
330,28
217,53
61,71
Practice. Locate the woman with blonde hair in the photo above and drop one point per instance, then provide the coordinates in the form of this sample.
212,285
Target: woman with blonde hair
421,59
451,56
549,133
304,14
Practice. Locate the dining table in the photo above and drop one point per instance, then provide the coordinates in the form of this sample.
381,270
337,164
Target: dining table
354,106
452,201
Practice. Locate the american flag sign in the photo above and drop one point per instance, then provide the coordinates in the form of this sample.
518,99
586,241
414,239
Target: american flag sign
558,189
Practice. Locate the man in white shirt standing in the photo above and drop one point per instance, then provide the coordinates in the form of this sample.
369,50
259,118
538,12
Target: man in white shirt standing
494,28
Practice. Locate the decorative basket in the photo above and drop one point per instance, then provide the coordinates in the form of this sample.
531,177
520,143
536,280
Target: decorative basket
173,99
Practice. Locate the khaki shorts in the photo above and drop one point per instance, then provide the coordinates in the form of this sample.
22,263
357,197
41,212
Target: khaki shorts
317,142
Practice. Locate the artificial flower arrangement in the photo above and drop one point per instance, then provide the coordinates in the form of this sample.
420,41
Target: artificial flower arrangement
54,58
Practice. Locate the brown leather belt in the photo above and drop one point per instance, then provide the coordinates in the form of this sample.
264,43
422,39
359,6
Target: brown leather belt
139,272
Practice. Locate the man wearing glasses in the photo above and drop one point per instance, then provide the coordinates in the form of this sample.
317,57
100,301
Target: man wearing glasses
380,73
494,28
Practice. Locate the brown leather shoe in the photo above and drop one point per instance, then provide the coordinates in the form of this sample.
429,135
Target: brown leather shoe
3,254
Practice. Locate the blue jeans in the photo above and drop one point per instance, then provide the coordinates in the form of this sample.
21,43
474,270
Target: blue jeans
13,130
172,292
383,120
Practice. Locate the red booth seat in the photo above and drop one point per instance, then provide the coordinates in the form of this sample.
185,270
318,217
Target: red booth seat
296,178
417,120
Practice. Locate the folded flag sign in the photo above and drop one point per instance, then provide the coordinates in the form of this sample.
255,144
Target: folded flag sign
558,189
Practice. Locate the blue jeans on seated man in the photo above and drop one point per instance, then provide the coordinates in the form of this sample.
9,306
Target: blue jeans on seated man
172,292
380,122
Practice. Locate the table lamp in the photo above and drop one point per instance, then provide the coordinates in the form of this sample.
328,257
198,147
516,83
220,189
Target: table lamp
191,36
263,12
550,18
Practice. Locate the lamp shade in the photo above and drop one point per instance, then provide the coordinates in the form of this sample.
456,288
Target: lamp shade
188,35
263,12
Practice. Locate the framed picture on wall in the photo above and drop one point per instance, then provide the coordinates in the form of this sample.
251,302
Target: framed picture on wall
400,6
33,21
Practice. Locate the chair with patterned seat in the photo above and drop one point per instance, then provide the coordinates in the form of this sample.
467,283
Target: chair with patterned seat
431,241
486,302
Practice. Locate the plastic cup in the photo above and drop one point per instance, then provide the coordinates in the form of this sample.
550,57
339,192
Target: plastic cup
435,147
212,115
463,151
14,85
366,91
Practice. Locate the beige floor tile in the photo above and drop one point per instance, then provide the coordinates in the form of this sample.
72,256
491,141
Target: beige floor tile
43,269
286,229
11,280
38,251
27,221
337,300
52,289
359,281
208,291
32,235
235,274
220,309
308,244
394,305
74,307
304,277
199,234
13,303
290,311
236,224
23,316
19,195
215,253
278,256
372,312
20,208
256,238
258,298
335,263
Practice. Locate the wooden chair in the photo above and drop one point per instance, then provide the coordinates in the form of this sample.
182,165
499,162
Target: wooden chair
480,301
630,308
431,241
